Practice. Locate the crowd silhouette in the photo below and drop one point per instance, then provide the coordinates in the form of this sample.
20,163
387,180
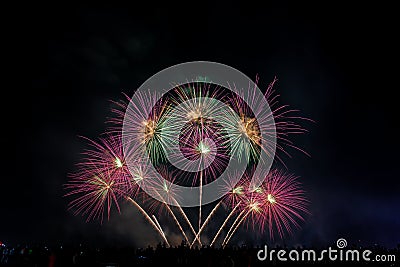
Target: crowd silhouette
182,255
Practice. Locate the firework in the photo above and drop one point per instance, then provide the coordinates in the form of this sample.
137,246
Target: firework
94,192
182,212
277,204
197,141
147,217
235,192
251,207
105,156
195,115
248,119
287,122
195,106
203,151
143,132
101,178
283,203
190,135
197,237
224,223
165,191
177,222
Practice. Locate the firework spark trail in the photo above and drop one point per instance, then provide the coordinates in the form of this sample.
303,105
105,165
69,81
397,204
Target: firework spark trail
200,199
233,225
149,219
159,226
201,189
206,221
166,192
178,224
234,230
224,223
175,219
186,219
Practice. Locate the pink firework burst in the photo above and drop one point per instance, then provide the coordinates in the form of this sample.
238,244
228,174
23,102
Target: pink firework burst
94,192
106,155
283,203
102,178
252,208
203,149
279,203
235,192
287,121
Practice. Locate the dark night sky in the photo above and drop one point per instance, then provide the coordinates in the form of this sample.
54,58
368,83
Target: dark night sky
335,63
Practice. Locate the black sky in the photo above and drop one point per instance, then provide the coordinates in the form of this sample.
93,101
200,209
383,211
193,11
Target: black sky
336,63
